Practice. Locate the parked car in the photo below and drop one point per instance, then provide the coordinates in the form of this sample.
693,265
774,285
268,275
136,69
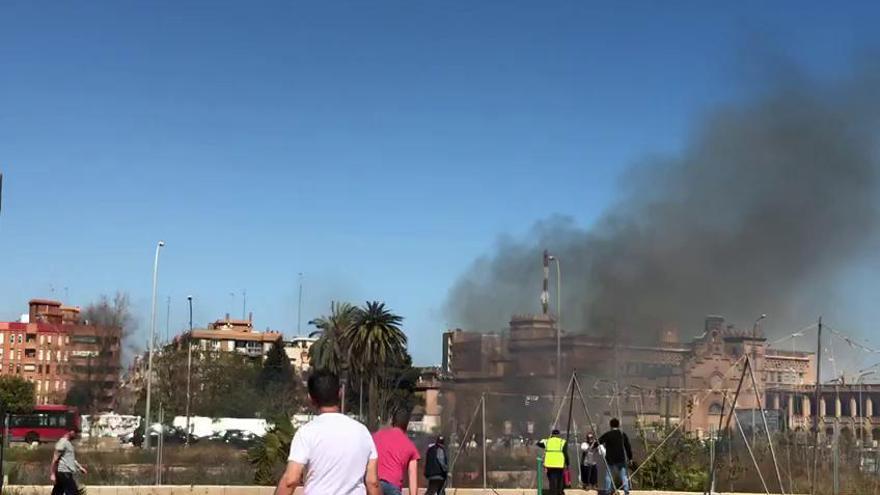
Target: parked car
242,439
171,436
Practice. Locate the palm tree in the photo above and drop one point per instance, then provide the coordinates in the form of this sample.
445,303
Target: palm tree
270,454
329,352
374,339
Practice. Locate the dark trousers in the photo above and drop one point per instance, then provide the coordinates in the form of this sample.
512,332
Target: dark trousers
556,478
65,485
589,475
436,487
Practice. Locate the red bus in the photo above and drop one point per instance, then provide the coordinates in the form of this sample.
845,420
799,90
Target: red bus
45,423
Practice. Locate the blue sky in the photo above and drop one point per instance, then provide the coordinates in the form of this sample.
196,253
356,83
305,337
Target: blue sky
376,147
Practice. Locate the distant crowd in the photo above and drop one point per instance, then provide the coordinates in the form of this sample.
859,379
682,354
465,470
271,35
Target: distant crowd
336,455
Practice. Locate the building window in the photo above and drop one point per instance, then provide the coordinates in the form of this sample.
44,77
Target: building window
11,338
19,338
50,340
30,353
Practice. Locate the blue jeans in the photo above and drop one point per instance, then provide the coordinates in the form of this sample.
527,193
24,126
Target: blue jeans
388,488
622,474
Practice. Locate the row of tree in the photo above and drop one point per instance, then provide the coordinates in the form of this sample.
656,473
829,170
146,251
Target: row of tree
225,384
366,344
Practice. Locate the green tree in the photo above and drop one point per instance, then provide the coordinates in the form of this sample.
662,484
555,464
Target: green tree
678,465
270,455
16,394
375,339
226,386
278,384
330,352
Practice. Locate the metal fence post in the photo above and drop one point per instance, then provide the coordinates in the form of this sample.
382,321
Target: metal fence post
540,475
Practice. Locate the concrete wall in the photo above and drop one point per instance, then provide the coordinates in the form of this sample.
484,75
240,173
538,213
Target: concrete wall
266,490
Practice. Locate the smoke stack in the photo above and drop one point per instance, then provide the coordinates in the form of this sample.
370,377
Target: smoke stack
726,224
545,294
251,317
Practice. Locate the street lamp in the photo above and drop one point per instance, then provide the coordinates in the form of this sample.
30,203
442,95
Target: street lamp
159,247
558,323
189,361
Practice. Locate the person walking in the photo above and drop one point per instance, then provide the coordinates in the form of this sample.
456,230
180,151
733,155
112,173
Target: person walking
592,454
398,456
337,451
555,462
618,454
436,467
64,465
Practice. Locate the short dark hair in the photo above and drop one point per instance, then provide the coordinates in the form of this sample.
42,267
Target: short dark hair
614,423
554,432
324,388
400,418
441,440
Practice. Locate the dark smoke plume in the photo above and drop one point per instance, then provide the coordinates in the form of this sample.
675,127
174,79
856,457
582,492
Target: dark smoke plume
766,198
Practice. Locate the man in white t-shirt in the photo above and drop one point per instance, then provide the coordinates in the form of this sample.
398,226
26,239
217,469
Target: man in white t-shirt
332,454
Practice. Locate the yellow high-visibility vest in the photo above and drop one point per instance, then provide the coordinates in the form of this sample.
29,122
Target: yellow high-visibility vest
554,456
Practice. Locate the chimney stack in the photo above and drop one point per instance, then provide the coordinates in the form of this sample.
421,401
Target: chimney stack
545,293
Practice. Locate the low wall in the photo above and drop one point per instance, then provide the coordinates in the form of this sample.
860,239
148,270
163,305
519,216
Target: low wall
267,490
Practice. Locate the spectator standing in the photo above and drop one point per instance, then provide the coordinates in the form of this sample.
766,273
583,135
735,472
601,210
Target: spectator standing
591,456
436,467
337,451
555,461
64,466
398,456
618,454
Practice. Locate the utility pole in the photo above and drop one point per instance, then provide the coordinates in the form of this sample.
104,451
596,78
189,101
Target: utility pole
244,304
299,306
485,472
189,361
152,342
168,321
816,416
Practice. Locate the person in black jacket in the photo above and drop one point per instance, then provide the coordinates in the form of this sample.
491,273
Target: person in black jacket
618,454
436,467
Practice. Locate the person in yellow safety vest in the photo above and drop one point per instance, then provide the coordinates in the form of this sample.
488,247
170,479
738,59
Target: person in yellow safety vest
555,461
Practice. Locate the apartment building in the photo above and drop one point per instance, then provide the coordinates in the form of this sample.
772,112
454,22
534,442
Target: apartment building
52,348
297,350
230,335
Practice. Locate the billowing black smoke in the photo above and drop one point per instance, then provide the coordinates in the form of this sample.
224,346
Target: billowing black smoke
767,198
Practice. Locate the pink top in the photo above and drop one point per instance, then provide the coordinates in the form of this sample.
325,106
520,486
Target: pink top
395,451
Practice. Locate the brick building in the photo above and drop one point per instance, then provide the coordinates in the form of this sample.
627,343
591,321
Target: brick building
56,351
668,382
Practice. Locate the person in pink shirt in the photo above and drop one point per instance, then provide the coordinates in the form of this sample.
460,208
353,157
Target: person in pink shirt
398,456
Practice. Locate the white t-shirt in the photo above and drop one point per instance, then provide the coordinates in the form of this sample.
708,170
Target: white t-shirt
335,450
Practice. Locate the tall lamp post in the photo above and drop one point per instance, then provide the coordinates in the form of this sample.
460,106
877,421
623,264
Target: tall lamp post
189,362
558,324
159,247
